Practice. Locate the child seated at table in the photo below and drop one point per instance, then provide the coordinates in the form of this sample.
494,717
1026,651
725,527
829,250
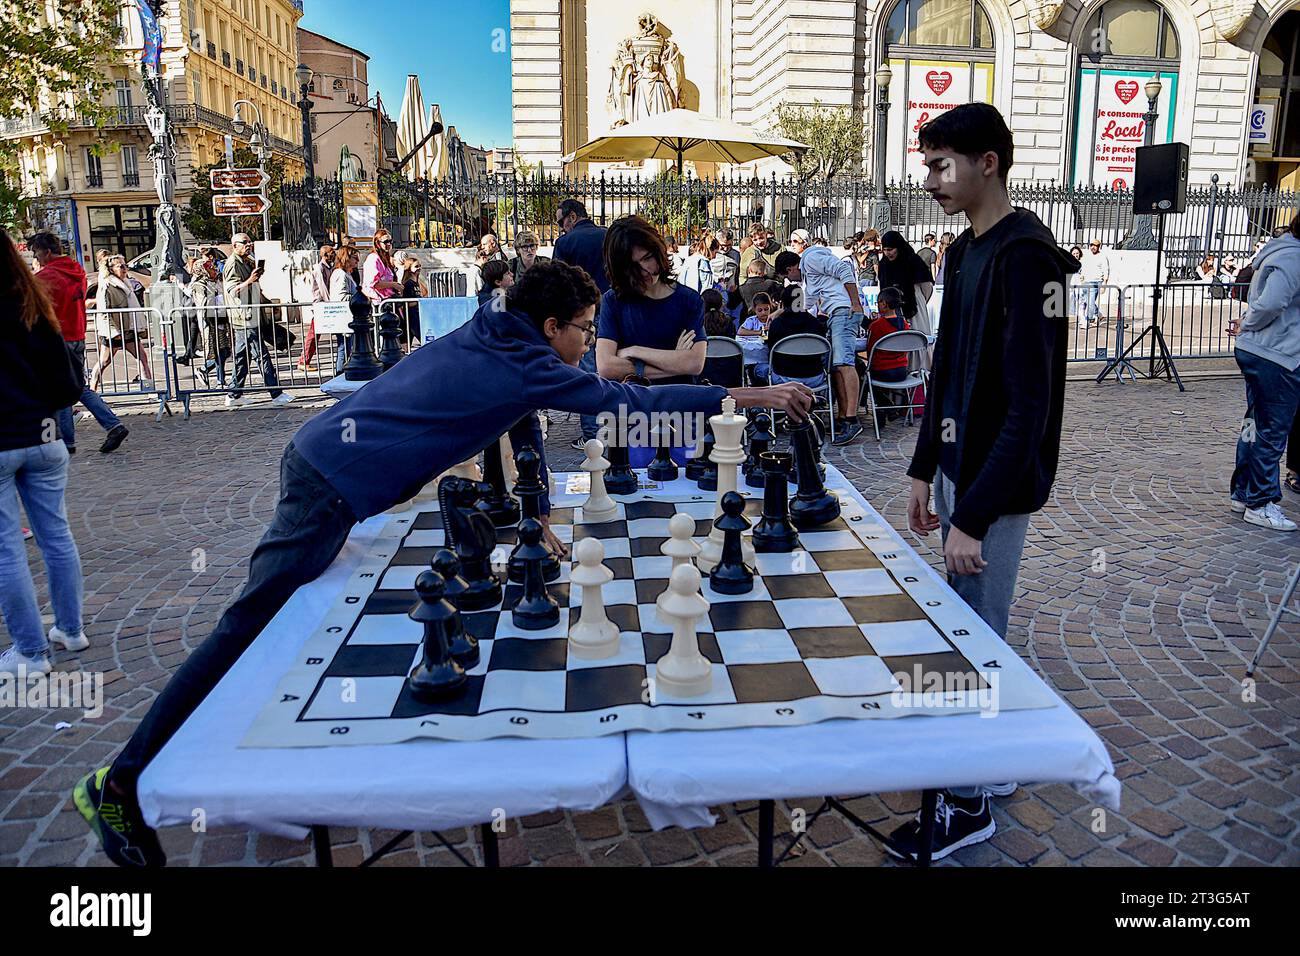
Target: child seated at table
792,319
887,366
752,336
716,319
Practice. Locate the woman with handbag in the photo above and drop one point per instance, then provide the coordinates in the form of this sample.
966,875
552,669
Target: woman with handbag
117,328
214,329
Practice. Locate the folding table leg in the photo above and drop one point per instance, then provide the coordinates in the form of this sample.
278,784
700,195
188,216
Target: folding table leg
925,843
766,832
491,853
320,838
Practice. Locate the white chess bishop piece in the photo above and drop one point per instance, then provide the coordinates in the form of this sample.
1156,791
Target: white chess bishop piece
595,636
467,469
599,506
683,671
680,546
728,453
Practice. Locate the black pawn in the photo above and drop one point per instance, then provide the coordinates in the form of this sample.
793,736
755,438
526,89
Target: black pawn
362,365
663,468
620,479
708,480
529,489
464,647
697,466
536,609
813,505
774,532
438,675
390,339
502,509
760,440
732,575
475,555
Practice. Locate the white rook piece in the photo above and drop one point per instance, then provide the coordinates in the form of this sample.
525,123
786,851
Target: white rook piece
681,546
595,636
599,506
683,671
728,453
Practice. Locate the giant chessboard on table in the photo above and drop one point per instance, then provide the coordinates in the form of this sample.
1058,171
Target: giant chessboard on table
821,636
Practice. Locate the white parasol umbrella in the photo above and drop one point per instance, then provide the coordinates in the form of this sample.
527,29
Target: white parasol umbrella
438,161
679,135
412,128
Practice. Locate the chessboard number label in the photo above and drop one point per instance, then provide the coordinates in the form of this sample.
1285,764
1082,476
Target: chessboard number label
340,731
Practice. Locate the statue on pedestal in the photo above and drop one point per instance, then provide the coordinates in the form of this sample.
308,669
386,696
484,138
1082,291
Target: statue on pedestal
645,77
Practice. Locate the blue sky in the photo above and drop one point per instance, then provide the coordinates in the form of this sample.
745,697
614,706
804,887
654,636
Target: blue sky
448,43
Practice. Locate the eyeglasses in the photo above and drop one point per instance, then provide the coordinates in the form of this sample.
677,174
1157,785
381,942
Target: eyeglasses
527,246
588,331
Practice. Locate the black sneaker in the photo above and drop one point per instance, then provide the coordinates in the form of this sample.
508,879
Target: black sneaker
127,840
116,435
846,431
72,449
958,822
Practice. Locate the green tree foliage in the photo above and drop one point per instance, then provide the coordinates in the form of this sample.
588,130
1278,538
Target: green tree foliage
206,227
676,206
834,136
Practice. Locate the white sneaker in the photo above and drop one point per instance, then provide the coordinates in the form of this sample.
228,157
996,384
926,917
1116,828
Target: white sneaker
232,402
78,643
284,398
1083,325
12,662
1237,506
1270,516
146,385
1000,789
85,417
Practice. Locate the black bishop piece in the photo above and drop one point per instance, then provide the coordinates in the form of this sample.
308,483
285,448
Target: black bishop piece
663,468
529,489
464,647
813,505
760,440
536,609
438,675
708,475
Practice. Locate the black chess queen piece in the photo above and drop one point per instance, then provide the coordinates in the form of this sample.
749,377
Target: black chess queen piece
464,646
760,440
732,575
362,365
775,533
537,609
438,676
813,505
502,508
470,533
620,479
529,489
663,468
390,339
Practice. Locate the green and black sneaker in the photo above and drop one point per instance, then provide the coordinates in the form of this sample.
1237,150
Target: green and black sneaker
126,838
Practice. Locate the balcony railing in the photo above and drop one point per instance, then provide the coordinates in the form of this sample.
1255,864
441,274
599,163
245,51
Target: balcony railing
239,67
225,58
212,50
131,179
94,180
187,115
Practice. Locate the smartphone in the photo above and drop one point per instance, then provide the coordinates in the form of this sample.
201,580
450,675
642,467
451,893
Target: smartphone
261,265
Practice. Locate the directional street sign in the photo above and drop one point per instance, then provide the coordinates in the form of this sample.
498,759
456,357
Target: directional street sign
239,179
225,205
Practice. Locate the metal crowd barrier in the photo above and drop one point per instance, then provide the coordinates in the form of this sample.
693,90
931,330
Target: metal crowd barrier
1194,317
1097,317
133,363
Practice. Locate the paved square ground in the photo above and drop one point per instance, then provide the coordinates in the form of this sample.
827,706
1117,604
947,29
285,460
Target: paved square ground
1141,598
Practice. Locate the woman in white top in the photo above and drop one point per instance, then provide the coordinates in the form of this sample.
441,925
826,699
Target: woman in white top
697,271
342,288
118,330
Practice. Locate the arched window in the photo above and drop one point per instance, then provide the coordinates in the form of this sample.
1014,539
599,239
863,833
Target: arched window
941,55
1125,44
1277,154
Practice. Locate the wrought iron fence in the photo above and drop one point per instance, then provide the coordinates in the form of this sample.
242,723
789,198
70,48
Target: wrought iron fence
457,212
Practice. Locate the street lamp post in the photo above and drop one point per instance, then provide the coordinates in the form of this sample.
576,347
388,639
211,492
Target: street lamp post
303,76
883,76
1143,237
259,142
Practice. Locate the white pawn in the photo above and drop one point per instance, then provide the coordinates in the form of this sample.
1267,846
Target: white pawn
599,506
595,636
683,671
681,547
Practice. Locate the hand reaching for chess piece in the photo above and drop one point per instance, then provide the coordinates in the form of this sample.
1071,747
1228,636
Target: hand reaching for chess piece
553,544
794,399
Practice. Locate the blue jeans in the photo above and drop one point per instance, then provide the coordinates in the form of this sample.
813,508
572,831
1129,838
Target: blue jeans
251,350
1272,396
94,404
38,475
589,424
814,382
1091,290
988,593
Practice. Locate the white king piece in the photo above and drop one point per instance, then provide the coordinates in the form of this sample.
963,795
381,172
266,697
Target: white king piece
728,454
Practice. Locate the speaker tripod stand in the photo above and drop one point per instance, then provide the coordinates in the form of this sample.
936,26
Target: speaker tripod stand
1161,360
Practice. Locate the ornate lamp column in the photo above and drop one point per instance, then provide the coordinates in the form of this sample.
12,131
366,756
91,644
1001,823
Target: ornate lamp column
883,76
169,254
1142,236
303,76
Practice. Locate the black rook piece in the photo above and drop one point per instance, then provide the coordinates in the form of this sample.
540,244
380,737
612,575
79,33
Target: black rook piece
732,575
663,468
471,534
620,479
536,609
813,504
362,365
438,675
708,473
760,440
464,647
502,509
529,488
774,531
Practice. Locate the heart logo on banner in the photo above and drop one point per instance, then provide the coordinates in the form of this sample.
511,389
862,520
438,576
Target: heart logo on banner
941,81
1126,90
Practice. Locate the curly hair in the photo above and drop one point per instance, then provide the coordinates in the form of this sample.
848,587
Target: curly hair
553,289
626,234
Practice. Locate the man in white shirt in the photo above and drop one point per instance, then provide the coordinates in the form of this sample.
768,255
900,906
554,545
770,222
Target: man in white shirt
831,289
1095,274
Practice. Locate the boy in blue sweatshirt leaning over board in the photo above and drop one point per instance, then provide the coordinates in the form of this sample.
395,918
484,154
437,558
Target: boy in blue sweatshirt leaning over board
440,406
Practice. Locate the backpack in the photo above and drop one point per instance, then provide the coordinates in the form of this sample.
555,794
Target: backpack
1241,284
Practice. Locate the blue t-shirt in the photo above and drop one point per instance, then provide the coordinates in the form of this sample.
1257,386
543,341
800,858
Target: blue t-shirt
653,323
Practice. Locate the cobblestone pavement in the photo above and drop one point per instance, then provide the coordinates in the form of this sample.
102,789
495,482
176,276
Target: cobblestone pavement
1150,651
